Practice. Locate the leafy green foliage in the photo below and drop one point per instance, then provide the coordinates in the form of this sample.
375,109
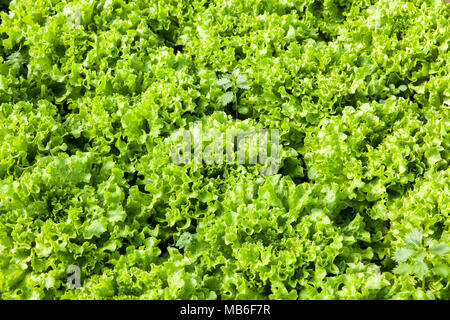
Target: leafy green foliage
416,257
92,94
234,81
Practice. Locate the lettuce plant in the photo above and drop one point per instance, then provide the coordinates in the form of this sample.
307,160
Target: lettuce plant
92,94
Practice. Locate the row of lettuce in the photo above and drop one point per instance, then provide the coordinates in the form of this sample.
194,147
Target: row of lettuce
92,93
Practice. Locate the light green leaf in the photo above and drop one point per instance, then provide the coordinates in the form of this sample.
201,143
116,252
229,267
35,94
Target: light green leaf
440,248
227,98
236,72
402,254
413,239
224,81
403,269
95,229
421,269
